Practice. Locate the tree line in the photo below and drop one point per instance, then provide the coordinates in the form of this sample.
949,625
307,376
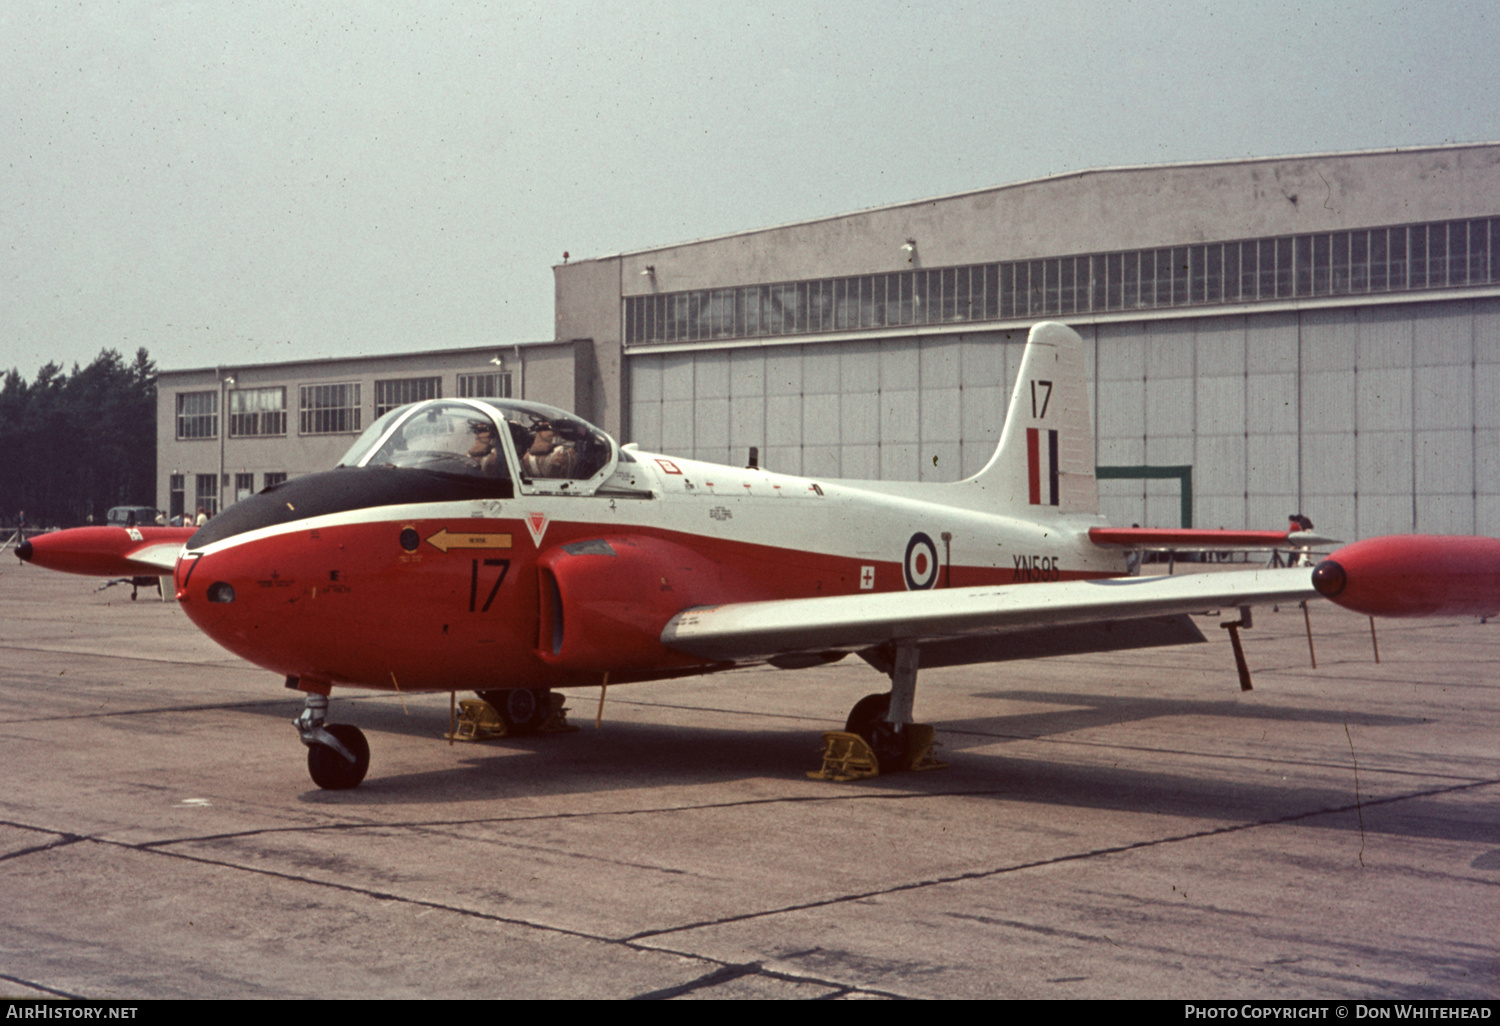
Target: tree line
73,445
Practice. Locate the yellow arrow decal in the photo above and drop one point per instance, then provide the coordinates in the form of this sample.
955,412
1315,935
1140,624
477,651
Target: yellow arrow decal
443,541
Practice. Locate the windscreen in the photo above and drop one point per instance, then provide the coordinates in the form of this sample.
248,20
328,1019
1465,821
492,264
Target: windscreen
449,438
370,437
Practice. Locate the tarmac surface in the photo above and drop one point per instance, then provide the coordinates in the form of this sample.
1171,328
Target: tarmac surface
1126,825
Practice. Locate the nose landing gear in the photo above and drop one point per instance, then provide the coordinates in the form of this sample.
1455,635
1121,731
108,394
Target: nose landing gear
338,756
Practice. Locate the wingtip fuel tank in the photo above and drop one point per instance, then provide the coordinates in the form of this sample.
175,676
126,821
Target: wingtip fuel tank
1410,575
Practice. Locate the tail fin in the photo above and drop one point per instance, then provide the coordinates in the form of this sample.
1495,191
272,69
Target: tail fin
1045,460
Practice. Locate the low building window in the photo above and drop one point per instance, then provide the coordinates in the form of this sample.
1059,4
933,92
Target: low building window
197,415
495,385
329,409
256,412
400,391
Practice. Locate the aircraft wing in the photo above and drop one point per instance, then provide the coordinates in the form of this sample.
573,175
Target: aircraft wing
749,631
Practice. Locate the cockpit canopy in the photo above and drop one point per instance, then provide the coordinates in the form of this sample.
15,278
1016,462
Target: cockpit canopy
546,450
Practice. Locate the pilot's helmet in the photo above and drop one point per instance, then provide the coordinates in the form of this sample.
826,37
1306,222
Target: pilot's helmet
570,429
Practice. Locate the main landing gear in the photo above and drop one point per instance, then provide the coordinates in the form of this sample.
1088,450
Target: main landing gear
338,756
868,720
515,712
521,710
879,735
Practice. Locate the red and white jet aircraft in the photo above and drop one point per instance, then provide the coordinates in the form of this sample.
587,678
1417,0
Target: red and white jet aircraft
510,548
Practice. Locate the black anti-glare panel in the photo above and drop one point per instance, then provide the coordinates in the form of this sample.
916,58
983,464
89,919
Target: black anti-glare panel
343,489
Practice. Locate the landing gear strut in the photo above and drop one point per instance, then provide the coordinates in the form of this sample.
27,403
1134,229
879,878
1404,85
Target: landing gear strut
338,756
868,719
883,722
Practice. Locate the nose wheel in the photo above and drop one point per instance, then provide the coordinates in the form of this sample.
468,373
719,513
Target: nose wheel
338,756
339,769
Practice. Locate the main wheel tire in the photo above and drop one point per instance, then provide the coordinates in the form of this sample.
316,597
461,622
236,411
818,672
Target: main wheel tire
867,719
866,713
330,770
524,710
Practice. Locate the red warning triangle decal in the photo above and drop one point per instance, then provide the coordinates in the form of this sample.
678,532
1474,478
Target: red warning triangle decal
536,523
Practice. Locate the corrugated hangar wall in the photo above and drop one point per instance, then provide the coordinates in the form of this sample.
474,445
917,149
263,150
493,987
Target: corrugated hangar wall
1371,419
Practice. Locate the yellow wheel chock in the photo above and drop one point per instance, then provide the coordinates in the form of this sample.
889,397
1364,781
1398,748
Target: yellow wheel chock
846,757
849,757
919,749
478,720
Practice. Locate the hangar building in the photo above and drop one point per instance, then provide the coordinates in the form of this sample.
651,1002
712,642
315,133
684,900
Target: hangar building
1315,333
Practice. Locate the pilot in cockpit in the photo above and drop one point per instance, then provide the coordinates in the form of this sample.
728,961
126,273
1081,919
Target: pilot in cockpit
549,455
484,452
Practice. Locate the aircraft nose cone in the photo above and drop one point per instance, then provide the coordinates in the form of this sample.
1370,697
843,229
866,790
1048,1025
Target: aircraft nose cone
23,551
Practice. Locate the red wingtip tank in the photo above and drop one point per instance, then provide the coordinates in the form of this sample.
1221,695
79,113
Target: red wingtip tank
102,551
1412,575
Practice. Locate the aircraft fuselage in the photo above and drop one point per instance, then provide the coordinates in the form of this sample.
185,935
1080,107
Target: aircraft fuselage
478,592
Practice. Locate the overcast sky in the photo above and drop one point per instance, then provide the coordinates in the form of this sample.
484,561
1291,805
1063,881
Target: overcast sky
227,182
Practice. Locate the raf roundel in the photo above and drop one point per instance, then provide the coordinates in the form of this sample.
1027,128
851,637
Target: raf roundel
921,563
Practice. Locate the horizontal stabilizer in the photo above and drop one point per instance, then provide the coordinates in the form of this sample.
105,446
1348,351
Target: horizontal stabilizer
1186,538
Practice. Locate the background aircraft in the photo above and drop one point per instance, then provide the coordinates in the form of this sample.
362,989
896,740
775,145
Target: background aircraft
108,551
509,548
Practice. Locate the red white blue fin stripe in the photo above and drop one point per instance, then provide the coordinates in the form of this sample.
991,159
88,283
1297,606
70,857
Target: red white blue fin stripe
1041,466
